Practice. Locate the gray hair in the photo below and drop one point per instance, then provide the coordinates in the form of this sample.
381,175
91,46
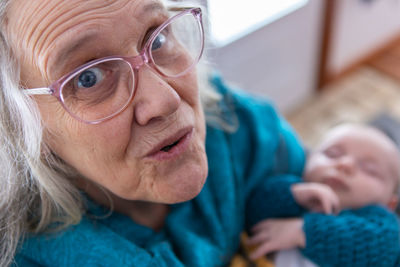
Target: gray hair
35,185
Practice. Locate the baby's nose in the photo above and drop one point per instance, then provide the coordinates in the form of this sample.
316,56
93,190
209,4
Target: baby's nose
345,164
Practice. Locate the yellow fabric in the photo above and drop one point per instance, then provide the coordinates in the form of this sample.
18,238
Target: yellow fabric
242,259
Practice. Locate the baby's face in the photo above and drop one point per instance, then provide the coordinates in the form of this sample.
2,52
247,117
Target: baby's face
359,163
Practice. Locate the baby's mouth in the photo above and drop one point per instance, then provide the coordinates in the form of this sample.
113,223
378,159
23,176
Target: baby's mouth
336,183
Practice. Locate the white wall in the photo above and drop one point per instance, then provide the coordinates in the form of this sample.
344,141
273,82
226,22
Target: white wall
280,60
359,28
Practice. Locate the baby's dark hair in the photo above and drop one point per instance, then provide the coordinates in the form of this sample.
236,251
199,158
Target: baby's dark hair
391,128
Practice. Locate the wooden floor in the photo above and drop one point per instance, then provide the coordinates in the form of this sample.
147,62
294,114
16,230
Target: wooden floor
388,61
370,90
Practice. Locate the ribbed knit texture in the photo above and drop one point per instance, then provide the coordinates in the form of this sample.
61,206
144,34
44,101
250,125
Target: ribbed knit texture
363,237
202,232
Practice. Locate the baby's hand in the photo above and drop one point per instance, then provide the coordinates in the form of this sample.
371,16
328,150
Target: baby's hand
316,197
276,234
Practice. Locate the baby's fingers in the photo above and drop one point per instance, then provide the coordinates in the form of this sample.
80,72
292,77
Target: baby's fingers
262,250
261,226
335,204
258,238
327,206
331,203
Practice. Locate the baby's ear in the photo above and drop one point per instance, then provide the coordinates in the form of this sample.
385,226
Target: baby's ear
394,200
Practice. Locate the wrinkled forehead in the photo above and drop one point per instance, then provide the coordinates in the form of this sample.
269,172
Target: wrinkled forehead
45,16
37,29
39,10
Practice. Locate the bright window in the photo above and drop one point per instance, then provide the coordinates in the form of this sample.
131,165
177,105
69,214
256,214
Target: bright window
232,19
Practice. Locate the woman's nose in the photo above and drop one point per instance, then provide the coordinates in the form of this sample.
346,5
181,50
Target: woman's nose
154,97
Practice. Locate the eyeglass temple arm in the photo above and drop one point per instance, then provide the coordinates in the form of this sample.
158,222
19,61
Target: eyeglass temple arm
38,91
179,8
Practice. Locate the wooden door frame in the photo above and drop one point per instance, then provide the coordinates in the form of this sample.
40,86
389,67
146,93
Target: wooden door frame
328,19
324,76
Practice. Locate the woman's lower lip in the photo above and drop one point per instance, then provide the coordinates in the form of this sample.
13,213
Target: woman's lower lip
176,150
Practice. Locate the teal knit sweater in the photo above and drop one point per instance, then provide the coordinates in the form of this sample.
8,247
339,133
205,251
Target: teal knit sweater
202,232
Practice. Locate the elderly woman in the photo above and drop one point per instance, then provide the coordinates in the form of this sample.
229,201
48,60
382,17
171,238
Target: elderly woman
104,155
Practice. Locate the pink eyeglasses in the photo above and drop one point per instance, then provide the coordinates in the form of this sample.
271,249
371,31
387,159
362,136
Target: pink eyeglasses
101,89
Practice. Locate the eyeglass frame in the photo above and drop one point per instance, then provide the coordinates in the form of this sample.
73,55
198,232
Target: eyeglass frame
134,62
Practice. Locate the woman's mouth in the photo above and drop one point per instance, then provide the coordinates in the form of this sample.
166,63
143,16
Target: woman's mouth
169,147
172,146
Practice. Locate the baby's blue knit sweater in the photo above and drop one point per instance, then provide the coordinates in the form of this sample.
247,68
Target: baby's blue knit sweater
363,237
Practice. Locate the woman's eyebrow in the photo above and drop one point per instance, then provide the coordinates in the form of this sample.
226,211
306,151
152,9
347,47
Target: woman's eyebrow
69,49
151,7
76,44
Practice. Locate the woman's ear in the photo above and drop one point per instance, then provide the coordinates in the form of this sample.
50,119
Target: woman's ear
394,200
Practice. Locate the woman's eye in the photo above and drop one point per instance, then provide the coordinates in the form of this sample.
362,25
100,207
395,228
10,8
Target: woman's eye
159,41
89,78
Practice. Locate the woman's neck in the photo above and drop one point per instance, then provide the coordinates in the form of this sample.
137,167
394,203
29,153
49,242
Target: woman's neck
149,214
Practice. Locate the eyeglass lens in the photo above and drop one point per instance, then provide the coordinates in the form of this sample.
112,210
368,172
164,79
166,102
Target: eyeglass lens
102,90
178,46
99,91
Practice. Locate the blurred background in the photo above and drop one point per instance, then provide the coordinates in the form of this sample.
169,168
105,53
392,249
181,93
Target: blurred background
321,62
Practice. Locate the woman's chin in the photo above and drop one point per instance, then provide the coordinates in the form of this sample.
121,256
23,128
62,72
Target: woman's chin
183,179
185,188
185,183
